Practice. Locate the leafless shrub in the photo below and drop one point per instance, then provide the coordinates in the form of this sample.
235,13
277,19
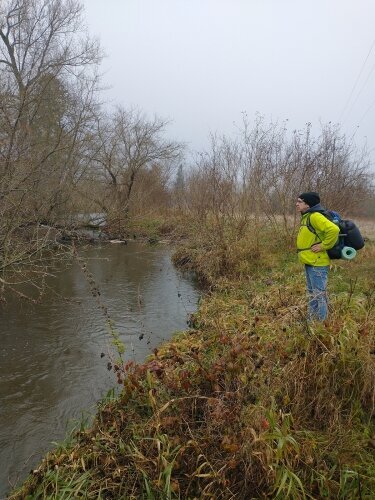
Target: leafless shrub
259,174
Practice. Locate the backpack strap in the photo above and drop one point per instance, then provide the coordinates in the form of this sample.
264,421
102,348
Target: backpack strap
309,226
327,214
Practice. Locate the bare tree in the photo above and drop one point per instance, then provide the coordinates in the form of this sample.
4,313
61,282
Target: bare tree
130,145
48,88
279,165
258,175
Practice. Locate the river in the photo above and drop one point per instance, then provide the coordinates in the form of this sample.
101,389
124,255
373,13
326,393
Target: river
54,354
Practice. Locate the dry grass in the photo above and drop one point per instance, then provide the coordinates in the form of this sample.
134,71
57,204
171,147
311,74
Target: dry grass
251,403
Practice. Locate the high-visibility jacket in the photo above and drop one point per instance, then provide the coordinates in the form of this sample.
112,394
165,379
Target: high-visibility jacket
327,234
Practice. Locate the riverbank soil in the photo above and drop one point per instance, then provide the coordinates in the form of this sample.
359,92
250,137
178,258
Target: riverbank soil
252,402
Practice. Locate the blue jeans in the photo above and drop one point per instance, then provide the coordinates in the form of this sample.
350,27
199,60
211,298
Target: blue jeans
316,280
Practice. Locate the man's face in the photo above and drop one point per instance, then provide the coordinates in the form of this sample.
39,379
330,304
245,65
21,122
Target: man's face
301,206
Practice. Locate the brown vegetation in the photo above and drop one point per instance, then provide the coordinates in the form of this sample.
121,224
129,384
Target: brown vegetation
252,402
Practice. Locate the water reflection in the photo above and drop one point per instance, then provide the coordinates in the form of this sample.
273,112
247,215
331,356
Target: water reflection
50,357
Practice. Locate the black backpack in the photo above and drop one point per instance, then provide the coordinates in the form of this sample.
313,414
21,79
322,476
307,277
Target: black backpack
349,236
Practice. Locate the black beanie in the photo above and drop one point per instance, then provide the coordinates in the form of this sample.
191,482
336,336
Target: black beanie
311,198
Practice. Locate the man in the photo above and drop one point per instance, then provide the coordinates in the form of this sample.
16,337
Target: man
312,252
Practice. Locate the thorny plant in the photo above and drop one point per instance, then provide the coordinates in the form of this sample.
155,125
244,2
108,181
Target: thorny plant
94,289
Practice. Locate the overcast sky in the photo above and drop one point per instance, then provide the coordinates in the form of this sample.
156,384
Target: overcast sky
201,63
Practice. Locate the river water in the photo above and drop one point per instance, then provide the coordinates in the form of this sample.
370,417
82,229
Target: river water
52,367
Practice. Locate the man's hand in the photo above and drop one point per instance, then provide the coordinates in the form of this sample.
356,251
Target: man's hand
317,247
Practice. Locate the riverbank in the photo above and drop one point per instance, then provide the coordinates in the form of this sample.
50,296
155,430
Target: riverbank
252,401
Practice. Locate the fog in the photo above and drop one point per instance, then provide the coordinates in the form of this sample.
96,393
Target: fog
202,63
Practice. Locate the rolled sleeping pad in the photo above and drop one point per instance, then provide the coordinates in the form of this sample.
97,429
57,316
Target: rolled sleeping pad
348,253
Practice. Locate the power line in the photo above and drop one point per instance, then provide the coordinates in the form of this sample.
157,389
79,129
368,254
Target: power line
361,89
357,80
366,112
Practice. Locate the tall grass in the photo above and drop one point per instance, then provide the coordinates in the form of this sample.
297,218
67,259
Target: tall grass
252,402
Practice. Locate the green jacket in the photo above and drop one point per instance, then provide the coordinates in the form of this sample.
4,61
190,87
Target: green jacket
327,233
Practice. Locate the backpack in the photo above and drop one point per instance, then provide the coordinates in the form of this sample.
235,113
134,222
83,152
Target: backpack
349,236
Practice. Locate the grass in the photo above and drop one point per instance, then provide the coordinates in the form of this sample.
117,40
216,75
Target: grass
252,402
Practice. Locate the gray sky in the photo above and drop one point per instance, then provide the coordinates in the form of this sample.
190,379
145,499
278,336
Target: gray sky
201,63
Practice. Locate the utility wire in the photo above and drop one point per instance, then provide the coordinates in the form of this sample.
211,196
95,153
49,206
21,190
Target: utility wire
361,90
366,112
356,82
